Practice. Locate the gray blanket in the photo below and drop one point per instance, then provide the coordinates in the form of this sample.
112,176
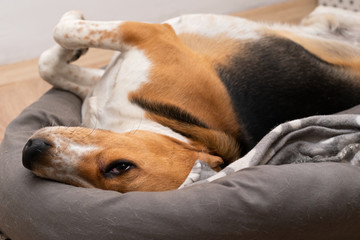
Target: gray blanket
331,138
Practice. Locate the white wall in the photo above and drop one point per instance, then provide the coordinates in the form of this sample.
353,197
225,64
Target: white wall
26,25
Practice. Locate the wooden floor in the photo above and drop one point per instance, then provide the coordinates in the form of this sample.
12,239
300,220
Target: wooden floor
21,85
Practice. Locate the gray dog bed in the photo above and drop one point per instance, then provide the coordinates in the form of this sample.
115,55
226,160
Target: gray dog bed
291,201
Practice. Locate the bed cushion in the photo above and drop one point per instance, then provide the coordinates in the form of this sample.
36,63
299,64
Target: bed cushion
297,201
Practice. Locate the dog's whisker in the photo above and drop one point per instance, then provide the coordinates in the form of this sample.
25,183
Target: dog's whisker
92,131
137,128
73,131
203,155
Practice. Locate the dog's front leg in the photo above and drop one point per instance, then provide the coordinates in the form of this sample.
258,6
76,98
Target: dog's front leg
55,67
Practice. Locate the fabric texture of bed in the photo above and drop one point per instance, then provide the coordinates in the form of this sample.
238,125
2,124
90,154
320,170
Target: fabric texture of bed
292,201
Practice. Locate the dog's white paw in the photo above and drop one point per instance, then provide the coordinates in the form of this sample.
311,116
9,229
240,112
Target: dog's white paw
55,58
62,55
66,32
72,15
335,23
74,54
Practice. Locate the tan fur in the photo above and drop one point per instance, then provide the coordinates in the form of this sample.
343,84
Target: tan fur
216,142
176,67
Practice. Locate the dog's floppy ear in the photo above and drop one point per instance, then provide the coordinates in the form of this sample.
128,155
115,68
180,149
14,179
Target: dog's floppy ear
213,161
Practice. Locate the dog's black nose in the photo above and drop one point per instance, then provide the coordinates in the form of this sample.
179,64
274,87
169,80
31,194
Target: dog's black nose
33,150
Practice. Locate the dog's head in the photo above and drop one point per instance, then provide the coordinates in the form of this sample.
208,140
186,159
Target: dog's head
134,161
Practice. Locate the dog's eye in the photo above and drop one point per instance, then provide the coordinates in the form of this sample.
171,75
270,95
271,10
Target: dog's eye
118,167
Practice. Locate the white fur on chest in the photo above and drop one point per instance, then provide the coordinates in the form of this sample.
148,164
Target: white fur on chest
108,107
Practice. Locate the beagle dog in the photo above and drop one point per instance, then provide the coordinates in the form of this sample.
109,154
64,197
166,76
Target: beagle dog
196,87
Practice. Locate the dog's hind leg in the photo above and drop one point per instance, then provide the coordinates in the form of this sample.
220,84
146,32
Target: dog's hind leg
333,35
73,32
335,23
